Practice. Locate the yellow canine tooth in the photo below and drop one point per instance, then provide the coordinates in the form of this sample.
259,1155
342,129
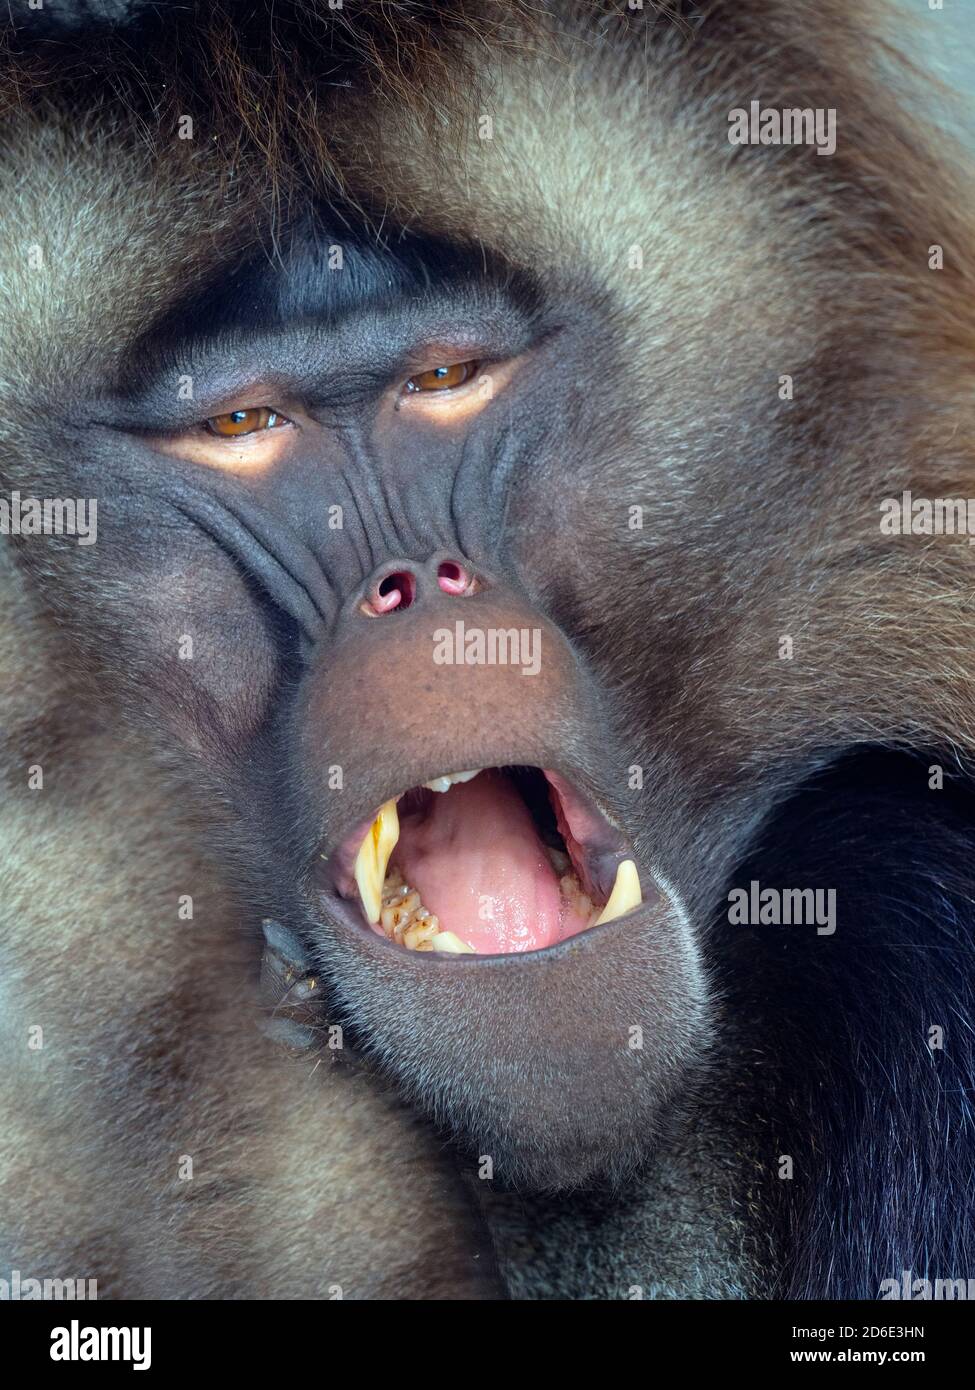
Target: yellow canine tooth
377,845
446,941
625,895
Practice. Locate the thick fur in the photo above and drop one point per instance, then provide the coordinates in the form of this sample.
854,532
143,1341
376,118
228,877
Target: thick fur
610,132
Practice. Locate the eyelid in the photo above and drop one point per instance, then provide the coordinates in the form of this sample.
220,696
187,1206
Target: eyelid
470,366
466,399
276,420
254,451
297,409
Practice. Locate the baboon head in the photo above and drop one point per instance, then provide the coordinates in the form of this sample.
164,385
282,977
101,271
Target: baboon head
488,458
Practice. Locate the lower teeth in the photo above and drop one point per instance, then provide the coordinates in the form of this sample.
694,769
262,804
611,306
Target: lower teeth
406,921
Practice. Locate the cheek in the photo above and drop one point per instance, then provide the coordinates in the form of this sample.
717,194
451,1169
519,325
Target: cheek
568,538
216,637
193,650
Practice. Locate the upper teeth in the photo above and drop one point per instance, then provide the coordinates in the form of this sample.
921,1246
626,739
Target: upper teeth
625,895
442,784
377,845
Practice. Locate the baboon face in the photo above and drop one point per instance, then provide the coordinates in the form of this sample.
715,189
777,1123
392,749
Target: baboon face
507,490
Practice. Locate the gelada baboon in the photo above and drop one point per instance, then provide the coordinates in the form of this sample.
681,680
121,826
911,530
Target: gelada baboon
455,462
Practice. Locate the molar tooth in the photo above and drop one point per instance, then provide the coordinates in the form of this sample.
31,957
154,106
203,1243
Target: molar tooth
420,930
392,919
625,895
446,941
398,916
377,845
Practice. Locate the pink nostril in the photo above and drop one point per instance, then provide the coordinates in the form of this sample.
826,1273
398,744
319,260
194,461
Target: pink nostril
452,578
385,603
395,591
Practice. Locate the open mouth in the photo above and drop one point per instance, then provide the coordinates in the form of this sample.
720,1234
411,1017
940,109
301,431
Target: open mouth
494,861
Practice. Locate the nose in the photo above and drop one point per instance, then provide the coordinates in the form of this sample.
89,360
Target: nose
400,584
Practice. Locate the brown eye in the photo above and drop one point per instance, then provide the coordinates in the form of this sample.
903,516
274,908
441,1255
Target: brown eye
241,422
443,378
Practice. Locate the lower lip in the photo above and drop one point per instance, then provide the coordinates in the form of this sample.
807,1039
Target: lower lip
347,915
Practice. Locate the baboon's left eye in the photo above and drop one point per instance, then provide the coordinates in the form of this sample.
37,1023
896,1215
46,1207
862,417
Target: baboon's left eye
443,378
241,422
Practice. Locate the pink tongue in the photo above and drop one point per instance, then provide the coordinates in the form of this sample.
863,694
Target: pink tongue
477,862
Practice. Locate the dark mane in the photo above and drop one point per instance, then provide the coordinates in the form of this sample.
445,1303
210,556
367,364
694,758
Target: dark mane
880,1126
